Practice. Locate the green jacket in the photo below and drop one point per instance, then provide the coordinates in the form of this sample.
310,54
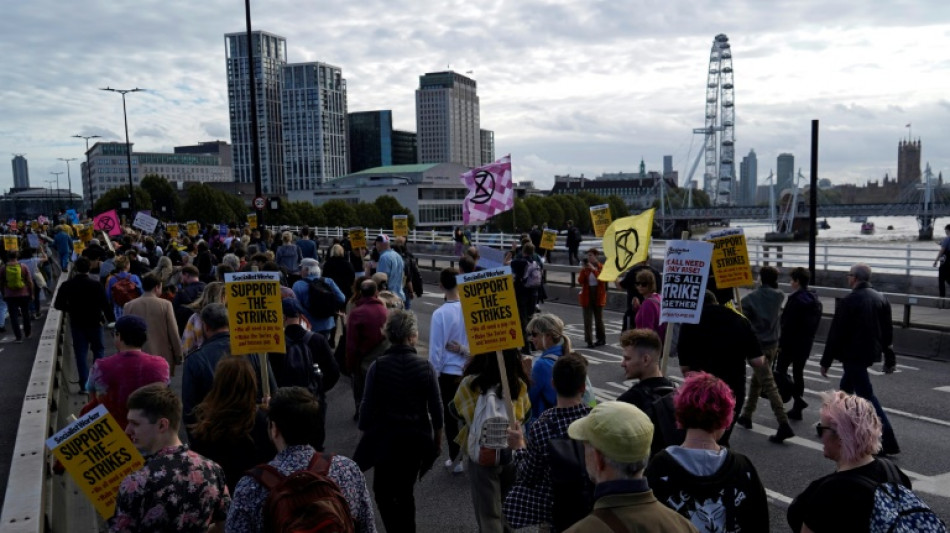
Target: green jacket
639,512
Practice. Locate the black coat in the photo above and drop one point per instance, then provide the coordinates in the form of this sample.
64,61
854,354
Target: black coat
720,344
84,300
800,320
861,328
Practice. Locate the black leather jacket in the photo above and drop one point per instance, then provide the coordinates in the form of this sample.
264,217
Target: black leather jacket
861,328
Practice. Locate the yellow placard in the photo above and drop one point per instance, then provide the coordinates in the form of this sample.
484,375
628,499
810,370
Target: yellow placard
358,238
255,314
252,220
730,258
10,243
192,228
600,216
490,310
78,246
86,233
98,456
401,225
548,239
172,230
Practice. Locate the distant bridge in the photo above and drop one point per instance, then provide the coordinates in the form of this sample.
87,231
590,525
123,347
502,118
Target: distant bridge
824,210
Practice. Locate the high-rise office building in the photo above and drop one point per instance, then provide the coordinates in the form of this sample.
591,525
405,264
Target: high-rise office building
667,166
447,119
372,142
313,120
21,172
908,163
270,55
784,173
487,146
370,139
748,179
405,148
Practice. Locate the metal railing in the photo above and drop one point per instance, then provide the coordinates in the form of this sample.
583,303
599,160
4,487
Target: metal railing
899,258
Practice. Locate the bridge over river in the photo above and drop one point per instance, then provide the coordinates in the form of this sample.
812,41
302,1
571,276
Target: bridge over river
824,210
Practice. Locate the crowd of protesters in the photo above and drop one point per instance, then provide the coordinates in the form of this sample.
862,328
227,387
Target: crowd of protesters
657,459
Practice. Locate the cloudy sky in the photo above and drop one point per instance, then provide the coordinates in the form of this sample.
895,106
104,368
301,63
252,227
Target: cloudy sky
568,86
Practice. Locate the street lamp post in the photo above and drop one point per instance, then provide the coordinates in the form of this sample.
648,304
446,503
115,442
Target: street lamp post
88,168
58,196
128,146
69,178
49,197
255,132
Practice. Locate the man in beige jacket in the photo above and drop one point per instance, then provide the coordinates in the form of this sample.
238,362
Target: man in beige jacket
158,314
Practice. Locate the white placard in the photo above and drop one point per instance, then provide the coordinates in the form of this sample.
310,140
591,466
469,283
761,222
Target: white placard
685,271
145,223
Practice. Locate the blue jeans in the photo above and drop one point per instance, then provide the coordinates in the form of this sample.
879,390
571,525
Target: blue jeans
3,312
855,380
83,339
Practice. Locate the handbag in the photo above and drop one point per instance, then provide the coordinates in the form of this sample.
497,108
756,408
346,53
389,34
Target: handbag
39,279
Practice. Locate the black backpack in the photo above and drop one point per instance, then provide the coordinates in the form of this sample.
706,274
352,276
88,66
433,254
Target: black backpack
297,367
323,302
414,275
663,415
572,491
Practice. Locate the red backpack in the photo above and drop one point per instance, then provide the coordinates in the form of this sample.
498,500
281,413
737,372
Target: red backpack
306,501
124,291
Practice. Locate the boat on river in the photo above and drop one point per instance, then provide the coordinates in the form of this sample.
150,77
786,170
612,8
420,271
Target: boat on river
867,228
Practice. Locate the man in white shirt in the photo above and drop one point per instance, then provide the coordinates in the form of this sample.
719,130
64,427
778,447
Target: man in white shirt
448,354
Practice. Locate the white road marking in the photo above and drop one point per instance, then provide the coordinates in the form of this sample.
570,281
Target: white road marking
778,498
938,485
945,388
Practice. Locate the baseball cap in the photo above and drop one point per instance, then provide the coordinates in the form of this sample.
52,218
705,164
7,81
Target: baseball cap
130,324
383,238
290,308
618,430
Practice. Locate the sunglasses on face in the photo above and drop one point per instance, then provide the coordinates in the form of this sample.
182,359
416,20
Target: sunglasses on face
820,429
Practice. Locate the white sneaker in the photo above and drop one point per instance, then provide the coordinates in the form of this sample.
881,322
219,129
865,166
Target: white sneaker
458,468
448,463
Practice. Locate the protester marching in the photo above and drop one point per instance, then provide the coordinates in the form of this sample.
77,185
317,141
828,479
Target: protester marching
262,324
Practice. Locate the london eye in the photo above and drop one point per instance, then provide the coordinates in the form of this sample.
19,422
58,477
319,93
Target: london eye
719,131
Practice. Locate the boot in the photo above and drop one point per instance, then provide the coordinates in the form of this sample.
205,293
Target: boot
744,421
784,432
796,412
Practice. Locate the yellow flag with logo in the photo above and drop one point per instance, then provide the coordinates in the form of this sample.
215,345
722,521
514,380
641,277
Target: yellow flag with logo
626,243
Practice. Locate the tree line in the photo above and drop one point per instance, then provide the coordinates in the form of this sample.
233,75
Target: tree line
209,205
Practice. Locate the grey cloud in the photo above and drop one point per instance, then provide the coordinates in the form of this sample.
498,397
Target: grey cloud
856,110
217,130
150,132
523,53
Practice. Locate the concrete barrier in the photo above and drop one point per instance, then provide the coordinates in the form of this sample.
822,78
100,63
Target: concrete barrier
37,501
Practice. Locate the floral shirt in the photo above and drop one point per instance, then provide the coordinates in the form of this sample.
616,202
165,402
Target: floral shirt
529,501
246,514
176,490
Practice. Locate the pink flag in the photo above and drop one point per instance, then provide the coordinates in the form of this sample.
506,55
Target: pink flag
107,222
490,191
